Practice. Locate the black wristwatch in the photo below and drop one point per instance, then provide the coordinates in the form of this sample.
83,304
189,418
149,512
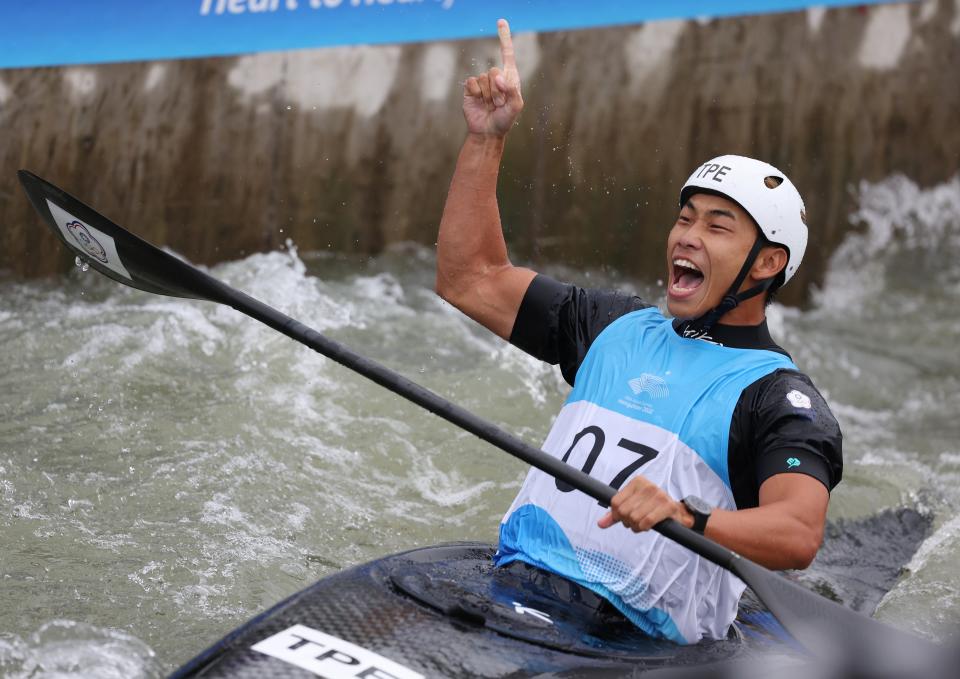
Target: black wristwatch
700,509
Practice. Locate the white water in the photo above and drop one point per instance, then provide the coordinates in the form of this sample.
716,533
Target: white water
170,468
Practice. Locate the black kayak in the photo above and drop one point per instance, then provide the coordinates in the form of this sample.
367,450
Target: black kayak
446,611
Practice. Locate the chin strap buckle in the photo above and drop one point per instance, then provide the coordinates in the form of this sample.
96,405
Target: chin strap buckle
729,303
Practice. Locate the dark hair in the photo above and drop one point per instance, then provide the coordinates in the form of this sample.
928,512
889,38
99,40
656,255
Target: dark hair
771,295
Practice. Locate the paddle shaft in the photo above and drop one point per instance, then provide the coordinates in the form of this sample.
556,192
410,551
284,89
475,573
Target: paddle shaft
451,412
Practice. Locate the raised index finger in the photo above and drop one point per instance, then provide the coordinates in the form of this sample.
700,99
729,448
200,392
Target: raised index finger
506,45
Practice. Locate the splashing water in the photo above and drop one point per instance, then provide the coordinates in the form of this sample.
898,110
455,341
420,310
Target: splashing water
169,468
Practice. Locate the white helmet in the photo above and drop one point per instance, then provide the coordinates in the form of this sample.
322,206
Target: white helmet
765,193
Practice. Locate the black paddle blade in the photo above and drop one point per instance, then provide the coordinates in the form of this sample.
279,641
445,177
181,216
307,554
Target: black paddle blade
111,249
860,644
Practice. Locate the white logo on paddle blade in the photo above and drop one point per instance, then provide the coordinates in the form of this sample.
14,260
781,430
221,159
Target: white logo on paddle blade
653,385
798,399
93,242
86,241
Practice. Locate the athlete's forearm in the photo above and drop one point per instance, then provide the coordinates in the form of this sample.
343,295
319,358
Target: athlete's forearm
473,270
770,535
470,242
784,532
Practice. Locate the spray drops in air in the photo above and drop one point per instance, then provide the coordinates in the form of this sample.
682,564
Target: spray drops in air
82,265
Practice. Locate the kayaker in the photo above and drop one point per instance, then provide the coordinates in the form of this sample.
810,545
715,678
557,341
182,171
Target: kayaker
702,418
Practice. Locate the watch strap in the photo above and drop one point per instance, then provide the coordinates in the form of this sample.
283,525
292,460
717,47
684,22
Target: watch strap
700,521
700,510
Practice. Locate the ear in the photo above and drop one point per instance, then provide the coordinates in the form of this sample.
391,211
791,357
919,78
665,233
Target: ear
771,261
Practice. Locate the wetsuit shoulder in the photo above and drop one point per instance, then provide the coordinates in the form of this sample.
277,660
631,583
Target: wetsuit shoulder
782,424
557,322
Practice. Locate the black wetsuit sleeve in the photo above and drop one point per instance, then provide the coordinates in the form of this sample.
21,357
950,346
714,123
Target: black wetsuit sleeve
782,424
557,322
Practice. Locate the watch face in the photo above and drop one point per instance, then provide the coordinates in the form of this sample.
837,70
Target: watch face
698,505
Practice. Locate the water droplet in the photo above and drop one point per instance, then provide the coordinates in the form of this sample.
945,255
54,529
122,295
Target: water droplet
85,267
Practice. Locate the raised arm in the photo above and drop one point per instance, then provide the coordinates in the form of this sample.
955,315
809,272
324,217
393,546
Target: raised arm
474,272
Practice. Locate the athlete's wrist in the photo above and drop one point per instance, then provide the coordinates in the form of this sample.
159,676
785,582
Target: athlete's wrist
684,515
700,510
488,141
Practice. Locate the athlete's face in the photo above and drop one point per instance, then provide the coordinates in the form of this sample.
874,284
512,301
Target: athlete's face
705,250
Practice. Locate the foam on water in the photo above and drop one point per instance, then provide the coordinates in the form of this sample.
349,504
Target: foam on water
170,468
206,466
884,337
910,239
65,648
928,596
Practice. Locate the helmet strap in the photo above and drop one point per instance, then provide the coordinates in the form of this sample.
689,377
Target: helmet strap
699,327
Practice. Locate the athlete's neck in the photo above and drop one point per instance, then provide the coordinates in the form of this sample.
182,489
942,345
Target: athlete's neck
748,312
734,336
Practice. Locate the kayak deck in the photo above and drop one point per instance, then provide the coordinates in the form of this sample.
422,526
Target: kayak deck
446,611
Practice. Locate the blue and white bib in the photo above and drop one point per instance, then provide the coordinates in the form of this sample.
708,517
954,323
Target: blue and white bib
646,401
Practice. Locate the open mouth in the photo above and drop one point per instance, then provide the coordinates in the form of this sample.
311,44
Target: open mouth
687,276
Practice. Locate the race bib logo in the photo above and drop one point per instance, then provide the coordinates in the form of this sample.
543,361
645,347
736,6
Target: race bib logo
799,400
86,241
650,384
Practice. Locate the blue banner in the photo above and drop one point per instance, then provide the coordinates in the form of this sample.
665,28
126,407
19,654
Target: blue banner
58,32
